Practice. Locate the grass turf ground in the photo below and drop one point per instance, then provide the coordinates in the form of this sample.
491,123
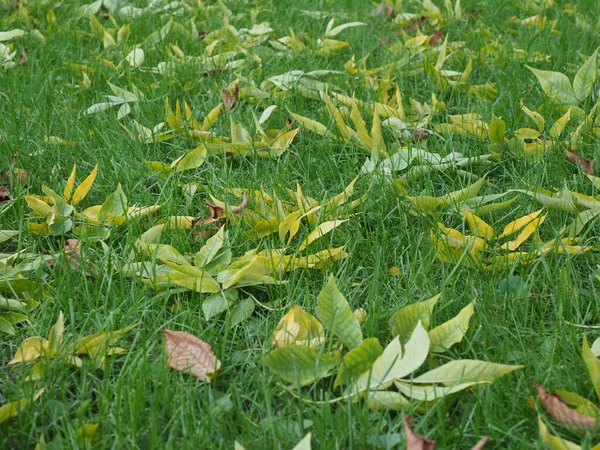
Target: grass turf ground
137,400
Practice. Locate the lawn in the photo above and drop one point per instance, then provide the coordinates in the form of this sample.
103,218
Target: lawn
265,224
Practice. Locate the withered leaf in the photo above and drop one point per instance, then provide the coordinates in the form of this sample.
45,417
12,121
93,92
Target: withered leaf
437,36
561,412
4,195
23,57
415,441
230,98
587,165
481,443
191,355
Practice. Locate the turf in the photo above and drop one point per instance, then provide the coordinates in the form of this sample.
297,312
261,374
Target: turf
137,400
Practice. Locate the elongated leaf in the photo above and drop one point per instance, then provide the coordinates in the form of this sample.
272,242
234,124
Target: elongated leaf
554,442
299,364
465,371
83,189
430,393
449,333
320,231
114,205
12,409
586,77
556,85
592,364
334,312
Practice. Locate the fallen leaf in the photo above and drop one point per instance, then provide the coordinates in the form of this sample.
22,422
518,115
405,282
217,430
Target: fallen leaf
587,165
230,98
4,195
419,135
191,355
23,57
435,38
481,443
415,441
561,412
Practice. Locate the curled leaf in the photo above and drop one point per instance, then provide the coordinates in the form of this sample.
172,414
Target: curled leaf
561,412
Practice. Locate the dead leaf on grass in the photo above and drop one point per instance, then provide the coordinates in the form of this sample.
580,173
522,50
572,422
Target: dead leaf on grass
190,355
561,412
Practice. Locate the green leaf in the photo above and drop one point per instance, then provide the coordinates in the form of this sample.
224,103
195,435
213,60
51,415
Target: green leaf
385,400
586,77
358,361
336,315
465,371
451,332
214,304
12,409
497,129
241,311
210,249
593,365
299,364
56,334
192,159
556,86
114,205
405,320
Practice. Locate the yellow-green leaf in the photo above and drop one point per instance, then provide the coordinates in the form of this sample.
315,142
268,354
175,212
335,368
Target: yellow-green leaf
358,361
586,77
556,85
404,321
336,315
12,409
451,332
497,129
593,365
320,231
299,364
465,371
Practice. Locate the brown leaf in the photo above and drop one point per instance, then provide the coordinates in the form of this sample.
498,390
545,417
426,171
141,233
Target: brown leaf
415,441
561,412
23,57
230,99
419,135
481,443
435,38
587,165
76,259
191,355
240,209
4,195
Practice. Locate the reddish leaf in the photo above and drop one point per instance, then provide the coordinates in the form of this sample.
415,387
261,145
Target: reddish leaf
481,443
435,38
23,57
4,195
561,412
415,441
587,165
76,259
419,135
230,99
191,355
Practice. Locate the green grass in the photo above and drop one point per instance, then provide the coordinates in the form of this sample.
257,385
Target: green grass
137,400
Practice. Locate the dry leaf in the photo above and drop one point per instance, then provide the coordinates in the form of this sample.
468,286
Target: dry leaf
4,195
561,412
415,441
191,355
230,99
23,57
435,38
481,443
587,165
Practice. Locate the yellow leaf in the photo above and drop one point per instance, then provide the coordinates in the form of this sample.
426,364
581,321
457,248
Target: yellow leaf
319,232
451,332
516,225
556,86
478,226
298,327
83,189
528,230
559,126
535,116
70,184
